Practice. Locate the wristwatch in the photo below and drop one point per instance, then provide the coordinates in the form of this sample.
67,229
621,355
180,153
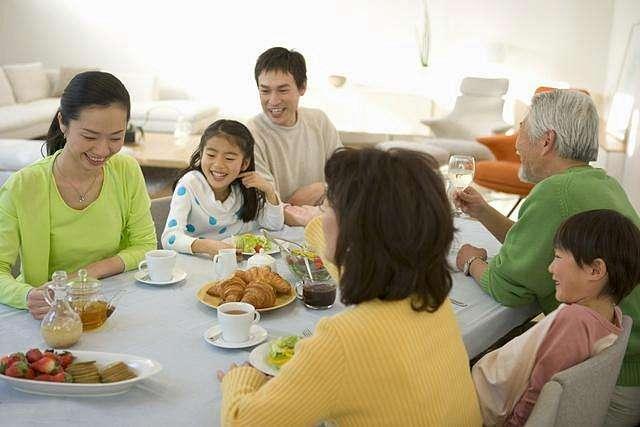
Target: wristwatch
466,268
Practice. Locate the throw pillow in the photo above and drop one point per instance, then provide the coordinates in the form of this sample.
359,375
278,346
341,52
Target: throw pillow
29,81
6,93
65,76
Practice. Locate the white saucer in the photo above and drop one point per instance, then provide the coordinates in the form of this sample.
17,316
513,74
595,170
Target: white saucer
178,275
257,334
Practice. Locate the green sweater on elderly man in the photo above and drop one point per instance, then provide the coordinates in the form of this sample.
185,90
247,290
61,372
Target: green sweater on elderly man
518,274
37,224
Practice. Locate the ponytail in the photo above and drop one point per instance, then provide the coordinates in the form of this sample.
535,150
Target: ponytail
88,89
55,138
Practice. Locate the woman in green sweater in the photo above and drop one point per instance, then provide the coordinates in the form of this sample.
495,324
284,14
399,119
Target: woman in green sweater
82,206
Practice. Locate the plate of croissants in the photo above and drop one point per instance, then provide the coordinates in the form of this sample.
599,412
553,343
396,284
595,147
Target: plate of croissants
258,286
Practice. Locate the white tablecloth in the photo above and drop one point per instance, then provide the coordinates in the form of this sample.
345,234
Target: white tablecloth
167,324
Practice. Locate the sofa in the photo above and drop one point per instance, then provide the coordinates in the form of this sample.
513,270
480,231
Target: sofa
30,96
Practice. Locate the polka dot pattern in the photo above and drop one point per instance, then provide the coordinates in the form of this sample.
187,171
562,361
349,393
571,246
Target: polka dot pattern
212,220
222,230
190,228
172,223
182,191
172,239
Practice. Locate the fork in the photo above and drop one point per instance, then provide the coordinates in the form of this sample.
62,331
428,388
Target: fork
458,303
306,332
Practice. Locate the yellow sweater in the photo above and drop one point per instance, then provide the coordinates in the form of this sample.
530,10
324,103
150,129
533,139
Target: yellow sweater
377,363
314,236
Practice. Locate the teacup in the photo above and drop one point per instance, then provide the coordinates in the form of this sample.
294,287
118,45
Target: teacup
235,320
318,295
225,263
159,264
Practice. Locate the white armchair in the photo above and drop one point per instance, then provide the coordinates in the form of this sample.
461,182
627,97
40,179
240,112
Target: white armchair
477,112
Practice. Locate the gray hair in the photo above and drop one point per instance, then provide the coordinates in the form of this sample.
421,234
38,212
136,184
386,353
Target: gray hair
572,115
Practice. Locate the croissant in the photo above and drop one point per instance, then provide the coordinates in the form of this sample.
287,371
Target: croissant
276,281
214,290
259,295
232,289
242,275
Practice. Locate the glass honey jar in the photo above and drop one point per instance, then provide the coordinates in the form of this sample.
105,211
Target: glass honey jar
86,298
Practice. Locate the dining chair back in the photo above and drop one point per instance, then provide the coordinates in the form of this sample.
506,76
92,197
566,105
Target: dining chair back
159,213
580,395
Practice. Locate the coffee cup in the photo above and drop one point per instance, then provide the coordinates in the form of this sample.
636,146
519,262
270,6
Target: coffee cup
159,264
235,320
317,295
225,263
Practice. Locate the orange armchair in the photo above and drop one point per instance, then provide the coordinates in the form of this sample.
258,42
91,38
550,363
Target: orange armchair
501,174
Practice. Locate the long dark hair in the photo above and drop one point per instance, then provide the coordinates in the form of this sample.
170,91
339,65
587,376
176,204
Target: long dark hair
237,134
395,226
610,236
88,89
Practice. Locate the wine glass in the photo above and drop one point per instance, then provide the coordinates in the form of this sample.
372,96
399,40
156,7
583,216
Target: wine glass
461,170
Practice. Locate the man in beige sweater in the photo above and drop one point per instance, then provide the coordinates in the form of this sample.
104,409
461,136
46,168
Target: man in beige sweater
292,144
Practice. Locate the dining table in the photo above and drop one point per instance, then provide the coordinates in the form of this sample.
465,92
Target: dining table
168,323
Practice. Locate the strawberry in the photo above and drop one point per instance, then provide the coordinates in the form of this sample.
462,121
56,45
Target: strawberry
57,378
30,374
50,353
17,370
66,358
317,263
46,365
15,357
257,248
33,355
4,364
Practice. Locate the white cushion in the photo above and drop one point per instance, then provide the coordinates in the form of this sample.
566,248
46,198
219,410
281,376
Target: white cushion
141,87
441,155
29,81
476,86
18,153
65,76
6,93
17,116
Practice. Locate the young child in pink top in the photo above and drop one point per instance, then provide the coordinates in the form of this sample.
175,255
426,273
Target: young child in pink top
596,264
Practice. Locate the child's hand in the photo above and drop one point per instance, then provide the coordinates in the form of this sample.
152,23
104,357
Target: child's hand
254,180
209,246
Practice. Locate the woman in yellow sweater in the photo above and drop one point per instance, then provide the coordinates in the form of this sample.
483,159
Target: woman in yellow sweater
395,357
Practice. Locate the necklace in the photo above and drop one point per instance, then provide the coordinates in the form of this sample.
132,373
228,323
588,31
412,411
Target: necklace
82,196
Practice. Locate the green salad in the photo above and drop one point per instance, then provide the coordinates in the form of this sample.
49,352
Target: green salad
281,350
250,243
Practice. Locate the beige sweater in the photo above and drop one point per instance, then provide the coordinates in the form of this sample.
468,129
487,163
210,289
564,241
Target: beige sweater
292,157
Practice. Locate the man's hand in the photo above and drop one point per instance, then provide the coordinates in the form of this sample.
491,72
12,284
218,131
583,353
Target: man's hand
308,195
466,252
471,202
300,215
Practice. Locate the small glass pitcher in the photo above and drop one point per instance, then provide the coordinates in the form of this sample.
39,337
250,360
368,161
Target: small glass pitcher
61,326
86,297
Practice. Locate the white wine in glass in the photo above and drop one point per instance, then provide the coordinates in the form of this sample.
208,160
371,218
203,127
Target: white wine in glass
461,170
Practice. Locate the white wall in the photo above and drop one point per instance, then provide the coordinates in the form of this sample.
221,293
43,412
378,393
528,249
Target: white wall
626,14
210,47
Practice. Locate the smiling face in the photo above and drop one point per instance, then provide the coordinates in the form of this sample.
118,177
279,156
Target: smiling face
573,282
279,97
95,136
221,163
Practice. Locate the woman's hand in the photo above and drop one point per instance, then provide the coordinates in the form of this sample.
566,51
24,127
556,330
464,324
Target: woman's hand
37,305
471,202
254,180
220,374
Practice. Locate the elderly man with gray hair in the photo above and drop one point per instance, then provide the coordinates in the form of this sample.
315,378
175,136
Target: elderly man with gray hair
556,141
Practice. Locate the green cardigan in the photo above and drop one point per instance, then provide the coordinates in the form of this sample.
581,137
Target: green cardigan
25,225
518,274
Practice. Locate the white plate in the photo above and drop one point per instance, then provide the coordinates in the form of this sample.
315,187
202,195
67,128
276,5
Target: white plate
258,359
257,334
142,366
232,241
143,276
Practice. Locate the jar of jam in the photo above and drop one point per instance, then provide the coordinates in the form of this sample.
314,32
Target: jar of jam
86,298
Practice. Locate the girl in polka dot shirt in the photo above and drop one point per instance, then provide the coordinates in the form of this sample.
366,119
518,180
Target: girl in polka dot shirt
220,194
